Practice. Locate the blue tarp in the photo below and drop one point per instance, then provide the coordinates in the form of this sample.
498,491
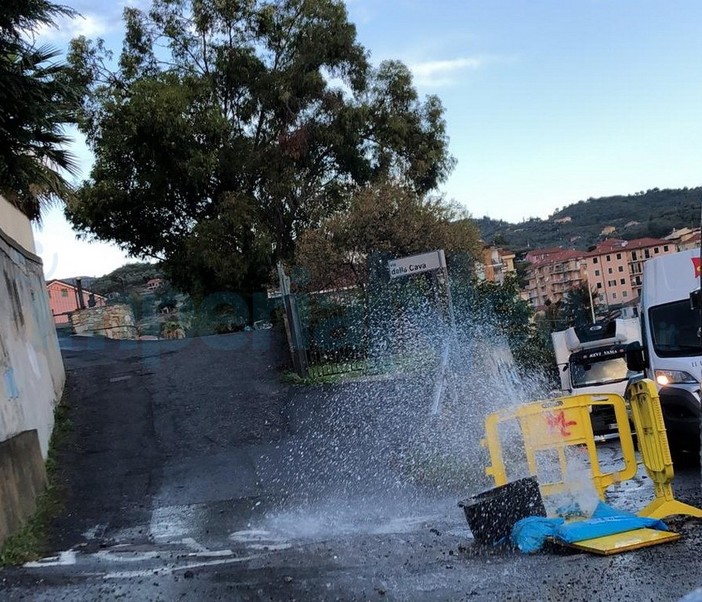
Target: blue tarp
529,534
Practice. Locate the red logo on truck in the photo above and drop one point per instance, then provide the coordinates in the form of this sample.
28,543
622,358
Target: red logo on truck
696,263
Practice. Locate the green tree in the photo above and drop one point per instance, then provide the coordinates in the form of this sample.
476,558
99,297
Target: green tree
249,126
575,309
382,218
36,102
522,269
503,305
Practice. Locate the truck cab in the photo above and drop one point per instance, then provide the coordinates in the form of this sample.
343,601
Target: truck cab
593,360
672,345
599,370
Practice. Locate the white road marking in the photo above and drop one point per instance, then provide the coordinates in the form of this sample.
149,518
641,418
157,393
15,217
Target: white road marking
66,558
271,547
193,545
115,556
170,570
210,553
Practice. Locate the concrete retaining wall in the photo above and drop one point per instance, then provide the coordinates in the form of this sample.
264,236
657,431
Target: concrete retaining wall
16,225
110,321
31,370
22,479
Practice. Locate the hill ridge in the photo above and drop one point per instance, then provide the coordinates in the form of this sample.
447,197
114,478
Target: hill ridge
653,213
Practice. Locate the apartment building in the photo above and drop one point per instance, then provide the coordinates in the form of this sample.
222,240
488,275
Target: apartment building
612,268
552,274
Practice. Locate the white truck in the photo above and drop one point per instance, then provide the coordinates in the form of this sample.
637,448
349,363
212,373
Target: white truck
594,360
672,346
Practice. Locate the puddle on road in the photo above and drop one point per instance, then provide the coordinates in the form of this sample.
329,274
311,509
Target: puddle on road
318,523
302,526
204,527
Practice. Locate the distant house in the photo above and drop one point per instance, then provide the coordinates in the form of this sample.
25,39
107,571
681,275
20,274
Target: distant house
154,283
63,299
563,220
680,234
685,238
607,230
692,242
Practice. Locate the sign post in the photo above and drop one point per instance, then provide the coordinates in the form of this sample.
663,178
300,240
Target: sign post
293,328
434,261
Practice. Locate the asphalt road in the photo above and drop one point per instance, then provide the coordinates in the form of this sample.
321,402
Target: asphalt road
193,473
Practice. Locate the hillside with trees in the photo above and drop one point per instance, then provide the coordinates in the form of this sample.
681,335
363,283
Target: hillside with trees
652,213
126,278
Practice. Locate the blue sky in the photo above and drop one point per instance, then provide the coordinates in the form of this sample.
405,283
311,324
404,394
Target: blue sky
548,102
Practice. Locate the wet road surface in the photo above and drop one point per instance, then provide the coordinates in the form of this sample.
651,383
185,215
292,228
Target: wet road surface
193,473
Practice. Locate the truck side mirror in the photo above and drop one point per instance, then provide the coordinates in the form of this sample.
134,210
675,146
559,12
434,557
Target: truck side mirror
635,357
696,299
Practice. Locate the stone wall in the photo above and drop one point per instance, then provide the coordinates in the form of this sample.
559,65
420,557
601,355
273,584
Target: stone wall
31,370
110,321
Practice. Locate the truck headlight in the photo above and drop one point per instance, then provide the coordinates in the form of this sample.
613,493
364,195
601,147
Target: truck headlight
674,377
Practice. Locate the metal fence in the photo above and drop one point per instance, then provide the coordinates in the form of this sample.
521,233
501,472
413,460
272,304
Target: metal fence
334,331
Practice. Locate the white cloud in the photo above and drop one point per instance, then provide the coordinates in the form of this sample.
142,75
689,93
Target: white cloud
442,73
64,256
141,4
88,25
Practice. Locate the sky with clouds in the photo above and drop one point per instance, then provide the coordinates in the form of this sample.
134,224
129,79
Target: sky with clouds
547,102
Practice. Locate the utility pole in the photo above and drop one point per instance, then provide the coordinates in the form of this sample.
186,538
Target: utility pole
589,290
79,293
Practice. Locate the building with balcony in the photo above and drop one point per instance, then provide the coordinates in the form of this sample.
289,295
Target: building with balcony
552,273
496,264
612,269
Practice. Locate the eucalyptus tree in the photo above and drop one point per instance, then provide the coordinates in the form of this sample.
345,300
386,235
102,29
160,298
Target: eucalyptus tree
226,128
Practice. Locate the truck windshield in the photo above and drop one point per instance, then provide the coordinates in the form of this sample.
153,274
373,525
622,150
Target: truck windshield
604,372
675,329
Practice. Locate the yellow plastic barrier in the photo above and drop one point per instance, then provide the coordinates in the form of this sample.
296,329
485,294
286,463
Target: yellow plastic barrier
555,425
655,453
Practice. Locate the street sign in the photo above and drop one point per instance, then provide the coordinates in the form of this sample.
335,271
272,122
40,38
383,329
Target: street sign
428,262
416,264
